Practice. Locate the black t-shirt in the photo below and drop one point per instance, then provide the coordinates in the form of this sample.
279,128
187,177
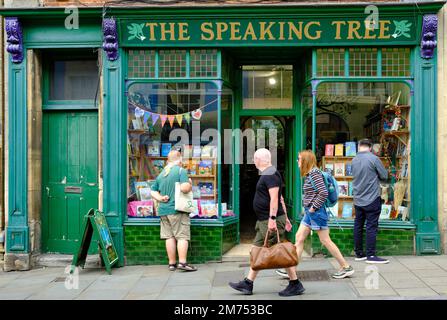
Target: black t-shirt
270,178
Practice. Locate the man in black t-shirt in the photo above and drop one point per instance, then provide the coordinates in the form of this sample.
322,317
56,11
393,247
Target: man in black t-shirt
270,209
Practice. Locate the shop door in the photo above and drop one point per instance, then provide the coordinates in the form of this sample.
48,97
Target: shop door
249,174
70,177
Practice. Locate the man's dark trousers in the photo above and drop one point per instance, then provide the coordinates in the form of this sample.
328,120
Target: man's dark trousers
371,214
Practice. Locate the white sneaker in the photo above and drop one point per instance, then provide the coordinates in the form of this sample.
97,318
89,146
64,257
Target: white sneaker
282,273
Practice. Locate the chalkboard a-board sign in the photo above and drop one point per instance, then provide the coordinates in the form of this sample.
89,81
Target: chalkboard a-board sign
96,222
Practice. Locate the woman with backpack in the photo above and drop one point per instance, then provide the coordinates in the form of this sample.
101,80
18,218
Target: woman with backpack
316,215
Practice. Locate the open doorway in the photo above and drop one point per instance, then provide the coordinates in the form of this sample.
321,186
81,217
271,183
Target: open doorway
274,136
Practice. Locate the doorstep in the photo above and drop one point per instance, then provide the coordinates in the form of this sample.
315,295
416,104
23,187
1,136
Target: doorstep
62,260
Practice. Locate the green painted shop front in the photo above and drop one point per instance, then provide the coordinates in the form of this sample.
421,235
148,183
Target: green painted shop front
237,37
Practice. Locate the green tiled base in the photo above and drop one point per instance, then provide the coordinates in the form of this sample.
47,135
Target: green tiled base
389,242
144,246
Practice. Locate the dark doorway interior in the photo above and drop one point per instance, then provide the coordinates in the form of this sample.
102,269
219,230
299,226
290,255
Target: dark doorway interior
249,174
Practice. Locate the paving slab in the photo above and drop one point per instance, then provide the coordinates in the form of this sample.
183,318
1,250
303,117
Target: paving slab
134,296
434,281
430,272
442,290
198,292
382,292
102,294
223,277
417,292
149,286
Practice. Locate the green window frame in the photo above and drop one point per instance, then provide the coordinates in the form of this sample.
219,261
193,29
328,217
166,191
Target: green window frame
52,104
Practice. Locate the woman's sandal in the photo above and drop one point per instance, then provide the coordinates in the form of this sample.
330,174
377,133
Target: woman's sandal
186,267
172,267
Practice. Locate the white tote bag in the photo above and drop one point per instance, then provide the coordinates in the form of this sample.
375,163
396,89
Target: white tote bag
183,201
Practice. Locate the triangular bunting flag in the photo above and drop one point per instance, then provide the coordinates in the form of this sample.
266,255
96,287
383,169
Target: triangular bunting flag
171,120
155,117
163,118
146,117
187,117
179,118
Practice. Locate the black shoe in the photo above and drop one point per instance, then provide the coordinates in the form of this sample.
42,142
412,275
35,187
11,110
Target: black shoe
295,288
245,286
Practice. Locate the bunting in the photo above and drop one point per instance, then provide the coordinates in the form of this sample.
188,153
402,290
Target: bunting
182,117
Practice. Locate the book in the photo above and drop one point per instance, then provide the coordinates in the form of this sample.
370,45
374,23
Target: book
196,192
334,210
206,188
196,212
348,169
208,208
339,150
196,151
395,125
223,207
343,188
339,169
144,211
329,167
145,194
351,189
350,149
158,166
402,213
385,211
165,149
377,149
139,185
153,149
329,150
207,152
347,210
206,167
193,167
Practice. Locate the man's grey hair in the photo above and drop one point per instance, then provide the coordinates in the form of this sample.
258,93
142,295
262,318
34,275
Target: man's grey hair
263,155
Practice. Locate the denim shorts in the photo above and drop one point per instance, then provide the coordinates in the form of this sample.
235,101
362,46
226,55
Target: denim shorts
316,220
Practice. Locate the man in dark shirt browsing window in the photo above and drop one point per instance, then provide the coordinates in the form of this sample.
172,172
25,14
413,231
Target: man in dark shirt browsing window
367,170
269,208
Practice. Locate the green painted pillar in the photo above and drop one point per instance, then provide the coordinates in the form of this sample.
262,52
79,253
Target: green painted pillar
424,181
17,232
114,155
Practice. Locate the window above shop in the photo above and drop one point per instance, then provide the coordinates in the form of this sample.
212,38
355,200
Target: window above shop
363,62
267,86
196,63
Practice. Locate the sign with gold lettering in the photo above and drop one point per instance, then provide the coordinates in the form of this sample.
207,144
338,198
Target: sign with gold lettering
265,32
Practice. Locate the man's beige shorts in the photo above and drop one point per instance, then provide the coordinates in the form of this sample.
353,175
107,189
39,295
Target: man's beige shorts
175,226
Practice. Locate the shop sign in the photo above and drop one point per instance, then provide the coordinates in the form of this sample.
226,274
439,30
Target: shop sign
262,32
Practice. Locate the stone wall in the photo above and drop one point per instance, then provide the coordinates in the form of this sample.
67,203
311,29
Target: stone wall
34,106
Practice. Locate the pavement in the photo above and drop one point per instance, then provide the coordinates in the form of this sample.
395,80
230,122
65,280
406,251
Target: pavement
405,277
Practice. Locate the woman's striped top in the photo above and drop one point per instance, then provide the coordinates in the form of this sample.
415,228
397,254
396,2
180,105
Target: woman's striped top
311,197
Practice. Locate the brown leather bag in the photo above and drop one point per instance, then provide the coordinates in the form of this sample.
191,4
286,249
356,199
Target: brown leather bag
280,255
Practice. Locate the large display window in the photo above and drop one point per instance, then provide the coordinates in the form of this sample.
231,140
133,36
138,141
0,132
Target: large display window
167,116
347,112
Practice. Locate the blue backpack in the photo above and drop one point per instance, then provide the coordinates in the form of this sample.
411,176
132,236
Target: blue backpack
332,189
331,186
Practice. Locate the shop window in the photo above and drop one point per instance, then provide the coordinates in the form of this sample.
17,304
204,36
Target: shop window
396,62
73,79
172,63
331,62
141,64
203,63
267,87
350,111
363,62
155,111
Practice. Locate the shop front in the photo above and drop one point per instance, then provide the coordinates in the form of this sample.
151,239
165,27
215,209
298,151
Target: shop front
216,89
